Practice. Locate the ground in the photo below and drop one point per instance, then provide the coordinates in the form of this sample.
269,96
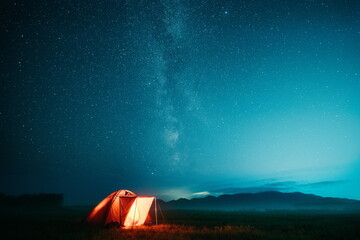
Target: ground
68,224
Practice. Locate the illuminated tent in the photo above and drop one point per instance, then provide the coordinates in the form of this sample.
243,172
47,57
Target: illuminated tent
125,208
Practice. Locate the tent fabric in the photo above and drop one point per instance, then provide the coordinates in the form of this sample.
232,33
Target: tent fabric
125,205
126,193
139,211
113,213
99,213
122,207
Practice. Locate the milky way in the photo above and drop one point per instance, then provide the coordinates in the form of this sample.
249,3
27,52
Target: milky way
180,98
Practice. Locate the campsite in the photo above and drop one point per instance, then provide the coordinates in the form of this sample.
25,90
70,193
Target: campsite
179,119
183,225
65,222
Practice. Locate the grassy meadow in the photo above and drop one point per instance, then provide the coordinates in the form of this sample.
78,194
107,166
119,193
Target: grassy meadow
68,224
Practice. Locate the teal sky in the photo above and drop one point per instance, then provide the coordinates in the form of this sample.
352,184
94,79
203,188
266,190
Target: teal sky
180,98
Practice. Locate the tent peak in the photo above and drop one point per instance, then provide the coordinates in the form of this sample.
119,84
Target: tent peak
125,193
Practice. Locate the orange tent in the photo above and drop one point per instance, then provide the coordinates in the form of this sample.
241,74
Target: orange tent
125,208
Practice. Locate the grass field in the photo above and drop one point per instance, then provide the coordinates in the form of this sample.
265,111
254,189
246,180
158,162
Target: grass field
67,224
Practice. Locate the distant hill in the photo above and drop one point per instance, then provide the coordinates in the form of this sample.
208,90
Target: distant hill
265,201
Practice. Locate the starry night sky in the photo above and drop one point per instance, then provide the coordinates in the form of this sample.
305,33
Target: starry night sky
179,98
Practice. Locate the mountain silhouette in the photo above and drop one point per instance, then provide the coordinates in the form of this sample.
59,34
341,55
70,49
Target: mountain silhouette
261,201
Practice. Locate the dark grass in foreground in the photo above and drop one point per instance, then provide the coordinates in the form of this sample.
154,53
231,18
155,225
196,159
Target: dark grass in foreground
67,224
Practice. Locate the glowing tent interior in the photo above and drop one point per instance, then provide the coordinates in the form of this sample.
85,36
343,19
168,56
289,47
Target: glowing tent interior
125,208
